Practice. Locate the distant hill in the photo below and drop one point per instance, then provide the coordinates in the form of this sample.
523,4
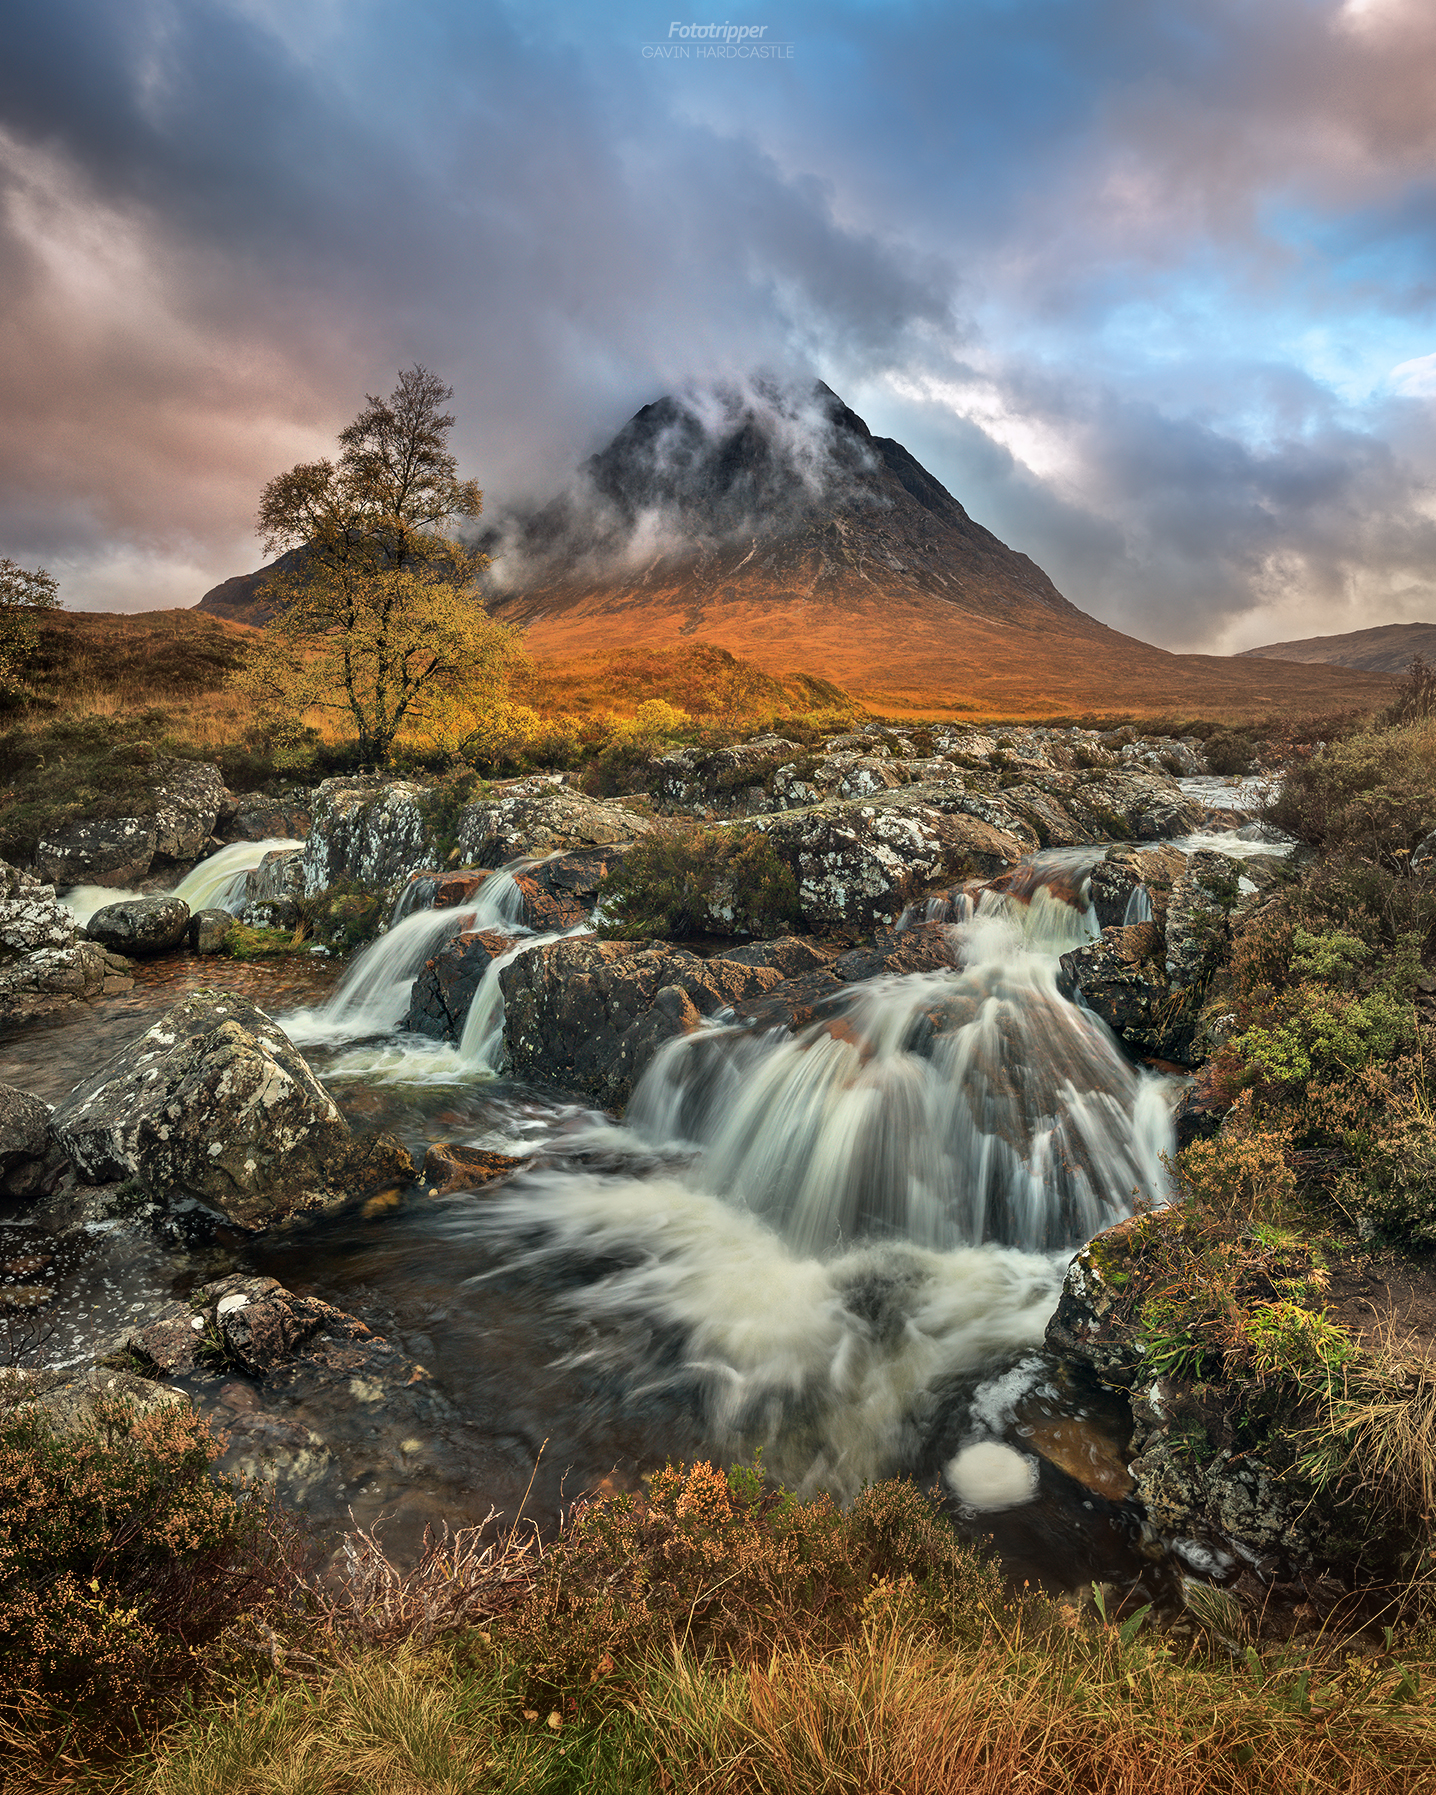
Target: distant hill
1386,649
238,598
769,522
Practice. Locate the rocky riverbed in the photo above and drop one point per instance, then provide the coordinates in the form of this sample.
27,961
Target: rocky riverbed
500,1190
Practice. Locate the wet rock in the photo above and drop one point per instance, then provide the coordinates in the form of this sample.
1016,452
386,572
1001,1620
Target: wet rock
1124,871
29,1160
1123,979
254,816
788,954
1198,932
209,931
548,912
589,1015
923,947
1084,1453
860,864
214,1105
184,800
371,831
495,830
1088,1324
272,886
450,1166
441,996
140,927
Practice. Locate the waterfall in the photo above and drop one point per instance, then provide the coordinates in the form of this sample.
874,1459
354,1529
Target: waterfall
941,1108
481,1045
1139,906
373,995
219,882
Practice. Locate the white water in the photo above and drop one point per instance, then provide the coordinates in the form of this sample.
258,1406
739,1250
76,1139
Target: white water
219,882
823,1232
1139,906
373,996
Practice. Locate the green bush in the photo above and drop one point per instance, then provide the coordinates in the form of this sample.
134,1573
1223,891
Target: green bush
1230,751
121,1556
1372,794
683,881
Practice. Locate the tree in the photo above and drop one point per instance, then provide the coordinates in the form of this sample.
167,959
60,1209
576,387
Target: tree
378,614
22,595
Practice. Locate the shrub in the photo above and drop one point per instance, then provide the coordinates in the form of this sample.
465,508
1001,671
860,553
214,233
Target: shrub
1373,794
121,1556
1230,751
737,1569
683,881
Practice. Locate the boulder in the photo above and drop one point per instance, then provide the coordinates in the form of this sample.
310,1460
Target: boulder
272,886
176,820
44,970
254,816
539,820
1198,931
858,864
449,1166
589,1015
140,927
1123,979
214,1105
28,1159
209,931
440,998
371,831
788,954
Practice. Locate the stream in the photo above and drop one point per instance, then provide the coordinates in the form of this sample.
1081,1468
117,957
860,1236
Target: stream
839,1248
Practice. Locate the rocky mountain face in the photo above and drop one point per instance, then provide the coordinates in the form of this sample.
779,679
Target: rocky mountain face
746,494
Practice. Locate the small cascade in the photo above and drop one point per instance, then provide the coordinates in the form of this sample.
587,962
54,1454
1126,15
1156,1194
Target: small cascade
481,1046
373,995
219,882
1139,906
418,894
942,1109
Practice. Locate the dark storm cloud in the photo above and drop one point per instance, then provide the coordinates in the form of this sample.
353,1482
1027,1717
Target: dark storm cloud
1127,274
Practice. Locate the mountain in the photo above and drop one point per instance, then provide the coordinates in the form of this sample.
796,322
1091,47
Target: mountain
769,521
239,599
1386,649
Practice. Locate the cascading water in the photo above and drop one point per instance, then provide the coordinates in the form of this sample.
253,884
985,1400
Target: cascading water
219,882
1139,906
818,1233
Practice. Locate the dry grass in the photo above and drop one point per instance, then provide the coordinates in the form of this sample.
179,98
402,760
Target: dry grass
1377,1432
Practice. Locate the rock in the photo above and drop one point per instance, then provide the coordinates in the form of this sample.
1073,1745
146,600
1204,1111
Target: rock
272,886
440,998
731,779
495,830
183,803
44,970
859,864
589,1015
214,1105
1123,979
372,831
788,954
449,1166
141,926
1122,871
29,1161
115,851
253,816
1198,934
209,930
71,1398
922,947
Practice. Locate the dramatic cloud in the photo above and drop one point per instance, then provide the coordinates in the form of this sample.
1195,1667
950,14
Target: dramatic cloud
1148,284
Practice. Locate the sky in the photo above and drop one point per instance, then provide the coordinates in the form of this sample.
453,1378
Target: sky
1150,285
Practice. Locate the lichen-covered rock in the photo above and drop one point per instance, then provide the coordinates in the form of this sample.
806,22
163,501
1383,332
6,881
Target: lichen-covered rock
372,831
541,820
1198,933
213,1104
442,994
272,886
860,864
1123,979
28,1159
183,804
140,927
44,970
590,1015
1124,873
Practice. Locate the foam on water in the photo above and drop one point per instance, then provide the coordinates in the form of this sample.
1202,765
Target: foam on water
219,882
